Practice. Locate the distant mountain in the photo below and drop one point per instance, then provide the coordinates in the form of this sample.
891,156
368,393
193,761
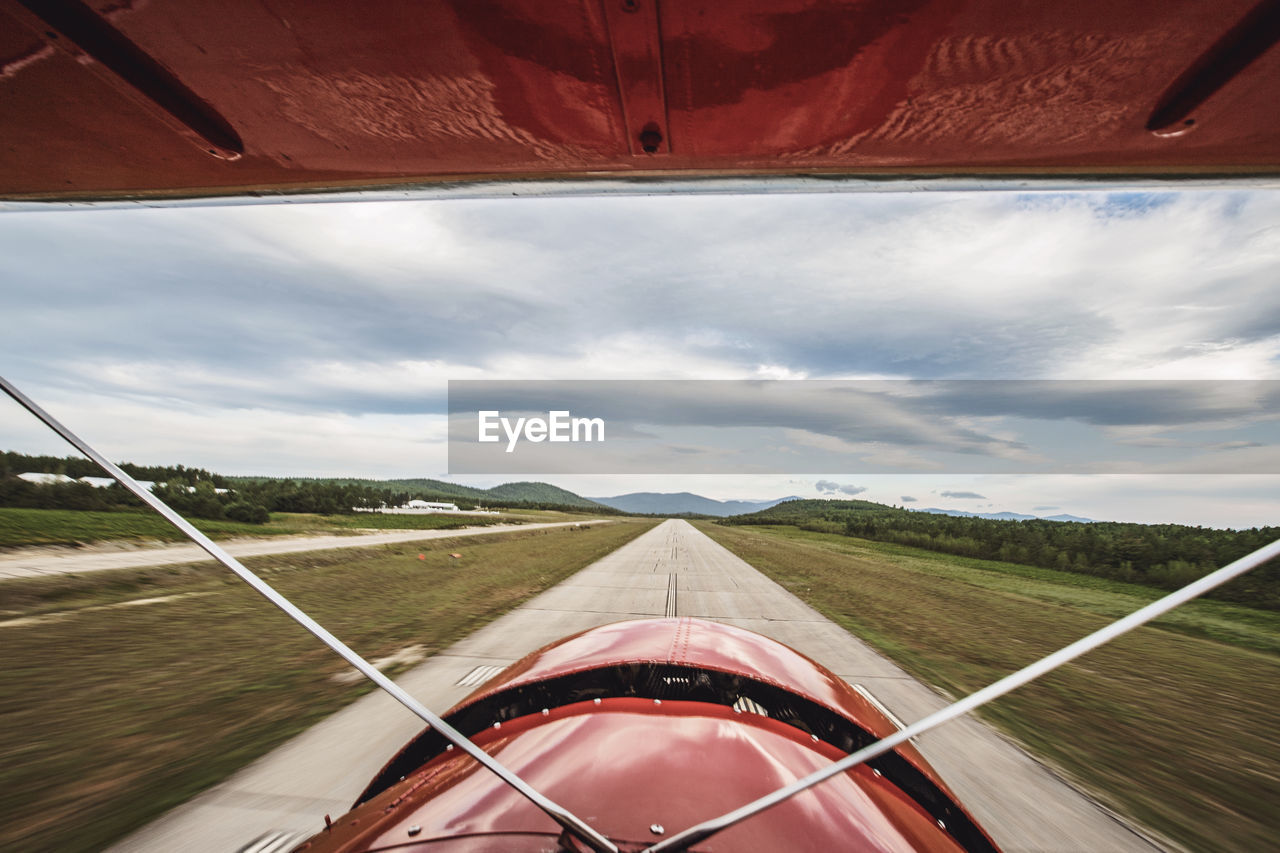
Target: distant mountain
960,513
1000,516
677,503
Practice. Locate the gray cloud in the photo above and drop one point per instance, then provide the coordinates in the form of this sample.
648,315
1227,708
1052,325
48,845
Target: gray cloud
866,413
1106,402
295,338
963,425
965,495
252,291
1045,508
363,310
828,487
907,499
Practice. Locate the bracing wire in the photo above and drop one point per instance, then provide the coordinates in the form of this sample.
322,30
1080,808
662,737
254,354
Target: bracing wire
683,840
572,824
700,832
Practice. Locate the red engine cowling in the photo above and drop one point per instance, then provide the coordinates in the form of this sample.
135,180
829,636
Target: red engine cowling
647,727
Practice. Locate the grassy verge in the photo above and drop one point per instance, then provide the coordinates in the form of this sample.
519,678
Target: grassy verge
545,516
1174,724
26,527
110,716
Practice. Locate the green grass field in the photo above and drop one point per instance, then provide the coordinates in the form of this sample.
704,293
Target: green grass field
26,527
1174,724
110,716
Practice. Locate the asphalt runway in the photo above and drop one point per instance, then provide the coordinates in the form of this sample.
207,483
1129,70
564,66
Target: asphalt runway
672,570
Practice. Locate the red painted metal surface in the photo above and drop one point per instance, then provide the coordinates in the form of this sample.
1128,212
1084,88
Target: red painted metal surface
627,764
110,98
705,645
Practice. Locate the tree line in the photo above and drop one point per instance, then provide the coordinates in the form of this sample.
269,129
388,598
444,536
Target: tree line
191,491
1160,555
203,494
75,467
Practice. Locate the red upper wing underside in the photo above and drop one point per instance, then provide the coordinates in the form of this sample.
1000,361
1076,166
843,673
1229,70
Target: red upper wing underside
113,98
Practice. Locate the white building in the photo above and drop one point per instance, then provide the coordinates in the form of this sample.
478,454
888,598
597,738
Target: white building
431,506
98,482
43,479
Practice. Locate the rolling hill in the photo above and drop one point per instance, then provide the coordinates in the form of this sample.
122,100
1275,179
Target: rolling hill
543,493
507,494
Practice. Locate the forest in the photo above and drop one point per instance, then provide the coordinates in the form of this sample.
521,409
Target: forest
1160,555
204,494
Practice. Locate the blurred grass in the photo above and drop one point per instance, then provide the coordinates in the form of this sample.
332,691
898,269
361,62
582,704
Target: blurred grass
1173,724
27,527
109,717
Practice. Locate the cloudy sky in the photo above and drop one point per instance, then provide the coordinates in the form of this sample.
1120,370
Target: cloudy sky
318,339
966,426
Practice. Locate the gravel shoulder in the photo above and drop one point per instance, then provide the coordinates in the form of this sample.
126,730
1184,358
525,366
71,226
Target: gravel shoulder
53,560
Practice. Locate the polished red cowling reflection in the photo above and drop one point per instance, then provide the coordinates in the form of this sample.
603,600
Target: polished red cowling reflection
103,98
706,645
638,768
